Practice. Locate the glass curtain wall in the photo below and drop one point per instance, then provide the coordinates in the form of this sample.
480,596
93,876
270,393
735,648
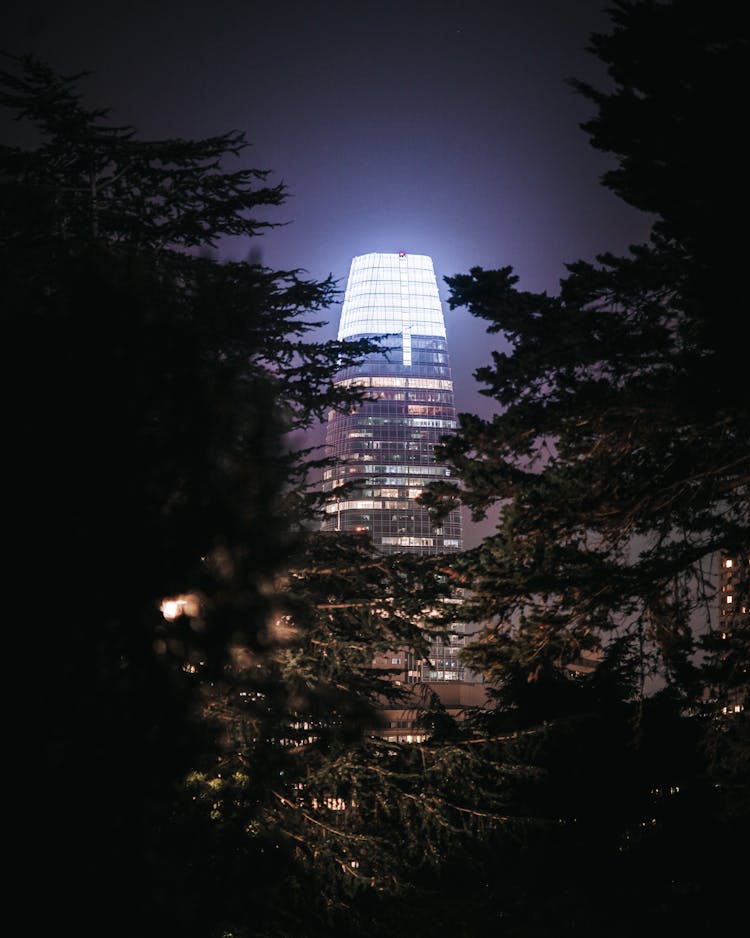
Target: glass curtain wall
385,448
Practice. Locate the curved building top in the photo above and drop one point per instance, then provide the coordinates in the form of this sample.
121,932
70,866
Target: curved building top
389,293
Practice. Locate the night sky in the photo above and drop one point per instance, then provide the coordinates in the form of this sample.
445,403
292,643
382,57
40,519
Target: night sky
442,128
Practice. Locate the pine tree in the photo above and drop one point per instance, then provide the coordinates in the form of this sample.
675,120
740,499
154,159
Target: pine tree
619,451
619,461
207,749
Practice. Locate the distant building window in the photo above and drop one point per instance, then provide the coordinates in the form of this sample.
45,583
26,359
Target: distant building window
409,541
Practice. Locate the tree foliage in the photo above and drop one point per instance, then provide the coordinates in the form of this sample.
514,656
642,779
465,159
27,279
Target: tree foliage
213,766
619,452
208,754
618,458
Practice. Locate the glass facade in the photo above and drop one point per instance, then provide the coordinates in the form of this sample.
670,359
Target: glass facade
385,448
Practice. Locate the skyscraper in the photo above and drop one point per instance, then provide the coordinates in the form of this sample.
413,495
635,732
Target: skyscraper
386,447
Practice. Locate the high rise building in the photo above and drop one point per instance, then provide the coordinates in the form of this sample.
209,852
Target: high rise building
386,447
734,627
734,592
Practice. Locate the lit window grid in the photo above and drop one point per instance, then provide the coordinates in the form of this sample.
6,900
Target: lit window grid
422,360
386,445
408,530
433,397
402,382
391,293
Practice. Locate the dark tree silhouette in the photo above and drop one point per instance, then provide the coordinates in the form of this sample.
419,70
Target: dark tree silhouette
202,660
619,459
620,452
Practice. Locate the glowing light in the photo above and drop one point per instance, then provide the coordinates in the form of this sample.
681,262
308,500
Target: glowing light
387,292
186,605
171,608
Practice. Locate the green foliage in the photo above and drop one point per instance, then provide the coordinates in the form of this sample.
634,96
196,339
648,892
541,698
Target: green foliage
344,823
619,452
220,772
100,181
618,459
217,771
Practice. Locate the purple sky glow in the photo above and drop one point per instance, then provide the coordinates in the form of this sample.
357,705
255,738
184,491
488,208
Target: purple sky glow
434,127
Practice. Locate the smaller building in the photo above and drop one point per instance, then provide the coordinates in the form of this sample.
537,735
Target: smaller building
734,628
